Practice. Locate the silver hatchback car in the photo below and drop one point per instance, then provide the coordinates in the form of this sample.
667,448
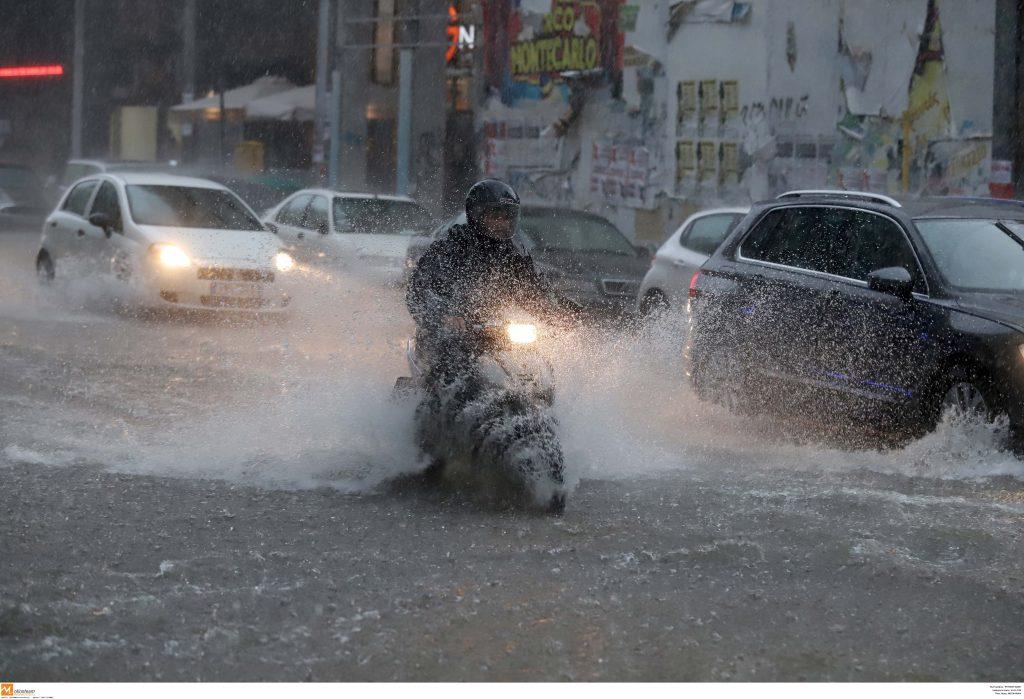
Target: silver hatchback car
667,282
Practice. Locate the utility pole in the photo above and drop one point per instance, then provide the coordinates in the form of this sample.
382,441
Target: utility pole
404,120
77,78
188,58
334,166
322,50
221,113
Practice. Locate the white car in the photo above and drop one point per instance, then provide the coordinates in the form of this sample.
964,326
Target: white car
667,283
178,242
359,230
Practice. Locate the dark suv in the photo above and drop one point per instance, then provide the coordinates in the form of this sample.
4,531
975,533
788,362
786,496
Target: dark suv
856,306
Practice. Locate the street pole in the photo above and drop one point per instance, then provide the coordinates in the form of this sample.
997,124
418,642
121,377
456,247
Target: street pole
188,57
322,47
404,120
222,115
335,161
77,78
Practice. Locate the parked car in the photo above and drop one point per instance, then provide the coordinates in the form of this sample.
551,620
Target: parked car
365,230
666,283
260,190
77,168
857,305
179,242
581,255
21,192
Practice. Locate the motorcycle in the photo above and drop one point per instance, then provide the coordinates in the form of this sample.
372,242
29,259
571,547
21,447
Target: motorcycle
493,420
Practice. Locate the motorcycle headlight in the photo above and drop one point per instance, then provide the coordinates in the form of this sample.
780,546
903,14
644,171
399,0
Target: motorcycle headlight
521,333
284,262
171,256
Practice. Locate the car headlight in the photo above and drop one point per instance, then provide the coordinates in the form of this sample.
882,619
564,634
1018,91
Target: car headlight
521,333
284,262
171,256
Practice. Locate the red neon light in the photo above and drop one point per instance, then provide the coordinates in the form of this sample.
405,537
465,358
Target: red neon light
31,71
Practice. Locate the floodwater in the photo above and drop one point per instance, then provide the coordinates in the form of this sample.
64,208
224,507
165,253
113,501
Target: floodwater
231,499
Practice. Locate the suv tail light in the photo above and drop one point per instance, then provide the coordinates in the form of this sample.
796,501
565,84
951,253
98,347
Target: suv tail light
693,285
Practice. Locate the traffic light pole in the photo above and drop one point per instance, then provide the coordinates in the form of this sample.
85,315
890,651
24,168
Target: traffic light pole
77,78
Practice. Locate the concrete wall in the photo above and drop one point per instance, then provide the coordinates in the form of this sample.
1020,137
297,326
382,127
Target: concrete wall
792,126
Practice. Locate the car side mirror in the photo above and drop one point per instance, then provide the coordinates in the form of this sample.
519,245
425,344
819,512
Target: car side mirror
322,229
271,227
892,280
101,220
643,252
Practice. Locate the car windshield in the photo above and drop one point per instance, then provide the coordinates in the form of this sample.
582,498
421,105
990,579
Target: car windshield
380,216
189,207
573,231
977,254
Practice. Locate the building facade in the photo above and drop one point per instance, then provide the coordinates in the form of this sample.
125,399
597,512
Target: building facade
645,110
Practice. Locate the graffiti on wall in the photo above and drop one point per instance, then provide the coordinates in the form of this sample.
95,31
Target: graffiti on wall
524,153
518,144
528,55
622,174
958,167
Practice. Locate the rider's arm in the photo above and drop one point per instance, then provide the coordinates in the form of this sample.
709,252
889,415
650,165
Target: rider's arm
428,296
538,297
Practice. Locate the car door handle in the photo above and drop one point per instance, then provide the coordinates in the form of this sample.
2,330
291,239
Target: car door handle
80,232
300,235
678,263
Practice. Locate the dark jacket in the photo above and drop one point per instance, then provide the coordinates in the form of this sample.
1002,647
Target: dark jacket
469,275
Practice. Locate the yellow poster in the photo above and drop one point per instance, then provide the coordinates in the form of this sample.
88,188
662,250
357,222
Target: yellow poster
708,94
707,160
686,161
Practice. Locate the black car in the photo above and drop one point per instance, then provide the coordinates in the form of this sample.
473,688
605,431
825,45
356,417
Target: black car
855,305
581,255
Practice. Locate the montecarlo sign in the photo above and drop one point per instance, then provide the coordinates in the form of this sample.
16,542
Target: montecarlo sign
565,39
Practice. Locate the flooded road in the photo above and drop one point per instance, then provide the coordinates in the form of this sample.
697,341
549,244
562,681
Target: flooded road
201,499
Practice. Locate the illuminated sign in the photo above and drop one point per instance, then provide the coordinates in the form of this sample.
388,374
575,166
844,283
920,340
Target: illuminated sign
460,36
31,71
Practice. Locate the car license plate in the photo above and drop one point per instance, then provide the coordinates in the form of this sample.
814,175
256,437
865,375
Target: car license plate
235,289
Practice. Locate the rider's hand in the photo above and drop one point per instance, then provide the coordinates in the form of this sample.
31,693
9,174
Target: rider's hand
455,323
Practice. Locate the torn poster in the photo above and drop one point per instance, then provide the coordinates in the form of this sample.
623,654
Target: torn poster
879,42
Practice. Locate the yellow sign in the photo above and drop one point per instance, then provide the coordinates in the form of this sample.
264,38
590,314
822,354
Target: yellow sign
558,47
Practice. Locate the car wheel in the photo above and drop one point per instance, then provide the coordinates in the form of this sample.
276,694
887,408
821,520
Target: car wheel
965,392
966,398
45,269
654,304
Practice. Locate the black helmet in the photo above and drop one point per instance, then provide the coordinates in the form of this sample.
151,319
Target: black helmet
492,209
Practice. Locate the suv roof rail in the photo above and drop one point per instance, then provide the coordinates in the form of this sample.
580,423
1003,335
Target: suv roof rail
843,193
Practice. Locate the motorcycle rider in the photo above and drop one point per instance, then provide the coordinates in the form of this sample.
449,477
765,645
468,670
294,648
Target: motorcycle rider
463,279
476,266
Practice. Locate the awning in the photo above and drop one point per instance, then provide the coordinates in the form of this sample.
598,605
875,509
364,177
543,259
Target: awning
297,104
239,97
